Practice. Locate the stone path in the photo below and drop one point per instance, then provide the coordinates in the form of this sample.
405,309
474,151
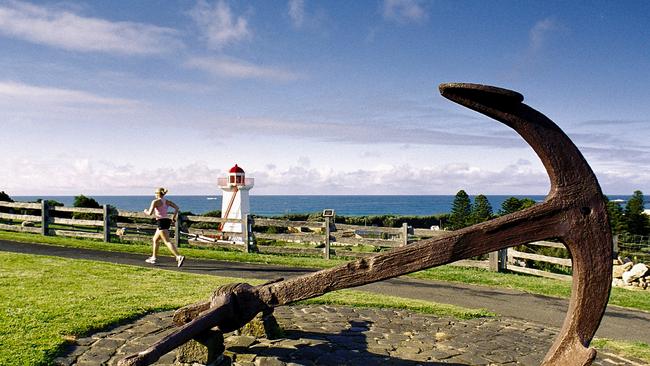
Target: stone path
335,335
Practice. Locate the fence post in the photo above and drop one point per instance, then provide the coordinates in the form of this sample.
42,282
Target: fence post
615,239
326,250
107,224
405,234
494,261
44,217
244,232
498,260
177,231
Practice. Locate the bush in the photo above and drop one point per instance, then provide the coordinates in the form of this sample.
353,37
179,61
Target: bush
86,202
5,197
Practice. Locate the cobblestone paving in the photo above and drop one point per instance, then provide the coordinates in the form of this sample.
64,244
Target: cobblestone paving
328,335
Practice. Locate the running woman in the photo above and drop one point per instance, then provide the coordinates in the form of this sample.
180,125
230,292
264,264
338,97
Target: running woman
159,207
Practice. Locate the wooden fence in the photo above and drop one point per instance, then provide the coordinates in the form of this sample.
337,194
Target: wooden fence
515,259
320,237
636,247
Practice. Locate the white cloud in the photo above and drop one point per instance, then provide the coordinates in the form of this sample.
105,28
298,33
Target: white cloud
539,33
70,175
404,11
297,12
67,175
219,25
238,69
13,91
70,31
401,179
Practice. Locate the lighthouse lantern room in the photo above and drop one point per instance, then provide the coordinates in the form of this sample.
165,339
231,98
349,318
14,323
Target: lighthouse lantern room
235,203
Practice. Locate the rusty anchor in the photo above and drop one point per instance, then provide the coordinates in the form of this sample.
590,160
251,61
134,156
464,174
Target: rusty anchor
574,212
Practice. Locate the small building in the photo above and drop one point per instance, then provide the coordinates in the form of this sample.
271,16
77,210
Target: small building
235,203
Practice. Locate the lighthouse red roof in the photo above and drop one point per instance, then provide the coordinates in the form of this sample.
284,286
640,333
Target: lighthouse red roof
236,169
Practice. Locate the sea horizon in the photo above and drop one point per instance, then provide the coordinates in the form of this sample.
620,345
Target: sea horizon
276,205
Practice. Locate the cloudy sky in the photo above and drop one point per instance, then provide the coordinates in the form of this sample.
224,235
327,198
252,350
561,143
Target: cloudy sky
336,97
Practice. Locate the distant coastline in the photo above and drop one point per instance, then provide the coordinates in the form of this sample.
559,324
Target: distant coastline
275,205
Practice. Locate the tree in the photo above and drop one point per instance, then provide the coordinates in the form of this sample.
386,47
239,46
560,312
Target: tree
5,197
460,211
636,220
527,202
510,205
616,217
513,204
51,203
481,210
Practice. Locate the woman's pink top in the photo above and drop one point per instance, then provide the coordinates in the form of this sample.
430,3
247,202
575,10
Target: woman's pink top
161,211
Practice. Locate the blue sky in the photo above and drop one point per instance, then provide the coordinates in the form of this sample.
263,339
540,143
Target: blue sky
336,97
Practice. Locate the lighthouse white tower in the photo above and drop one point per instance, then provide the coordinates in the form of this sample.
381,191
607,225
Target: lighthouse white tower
235,203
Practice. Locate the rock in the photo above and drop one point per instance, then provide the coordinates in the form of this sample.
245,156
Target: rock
239,341
624,260
617,282
205,350
636,272
620,269
262,326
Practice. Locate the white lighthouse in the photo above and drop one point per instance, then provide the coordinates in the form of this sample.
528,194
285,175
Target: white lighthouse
235,203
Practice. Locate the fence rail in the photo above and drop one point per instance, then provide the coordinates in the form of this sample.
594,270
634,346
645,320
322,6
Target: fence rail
514,257
316,237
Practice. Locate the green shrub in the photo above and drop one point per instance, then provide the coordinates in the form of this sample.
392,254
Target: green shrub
86,202
5,197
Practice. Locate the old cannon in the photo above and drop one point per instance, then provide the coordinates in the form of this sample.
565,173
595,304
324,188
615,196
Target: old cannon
574,212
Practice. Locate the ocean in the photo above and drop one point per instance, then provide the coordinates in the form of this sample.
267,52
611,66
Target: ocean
280,205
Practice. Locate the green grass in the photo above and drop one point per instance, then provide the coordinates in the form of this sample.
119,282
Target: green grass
537,285
638,350
639,300
203,253
46,301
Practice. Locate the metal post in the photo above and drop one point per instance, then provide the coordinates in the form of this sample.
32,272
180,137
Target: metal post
326,250
405,234
244,232
44,217
107,224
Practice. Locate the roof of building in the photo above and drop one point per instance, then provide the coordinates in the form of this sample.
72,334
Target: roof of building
236,169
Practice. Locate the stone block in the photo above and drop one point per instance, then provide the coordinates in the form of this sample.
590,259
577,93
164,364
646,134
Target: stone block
203,350
263,326
617,271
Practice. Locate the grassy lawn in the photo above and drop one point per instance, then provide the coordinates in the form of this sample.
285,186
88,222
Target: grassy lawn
638,350
46,301
537,285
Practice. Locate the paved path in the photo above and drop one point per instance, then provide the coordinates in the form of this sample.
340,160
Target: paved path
339,336
618,323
